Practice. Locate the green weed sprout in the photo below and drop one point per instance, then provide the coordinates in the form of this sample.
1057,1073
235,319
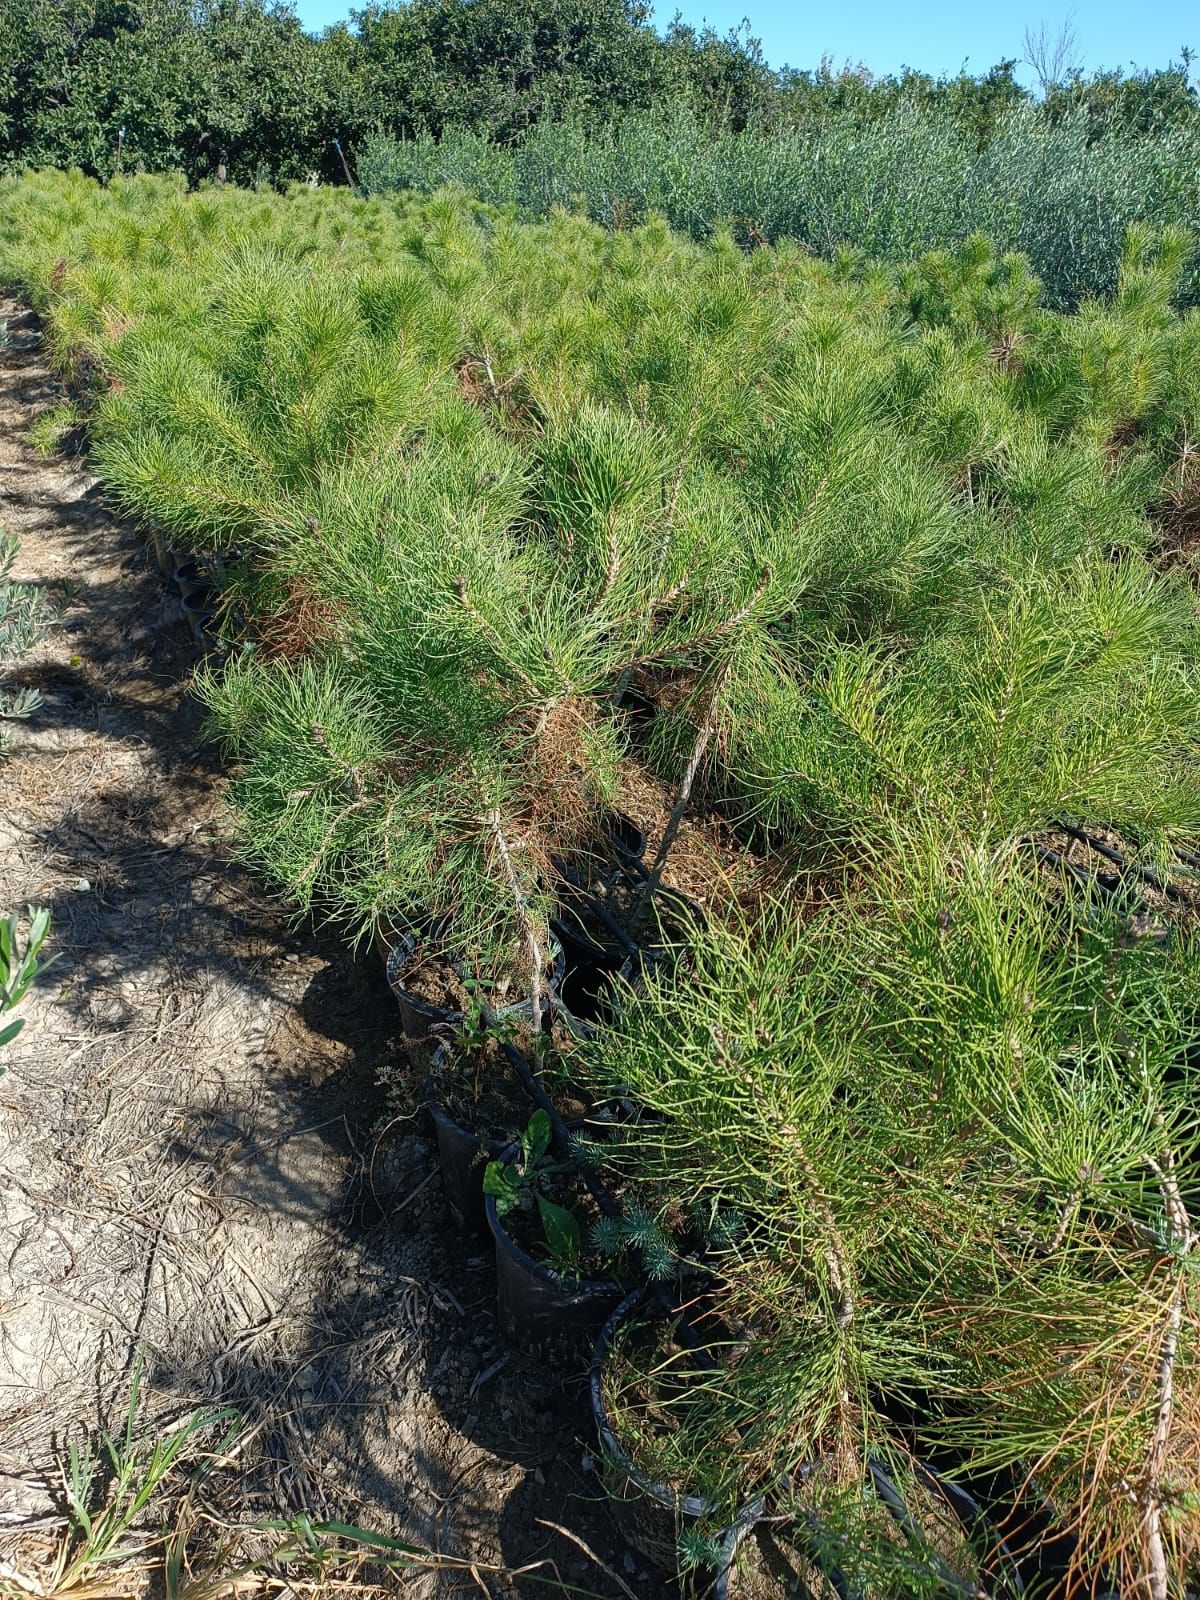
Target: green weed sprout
19,964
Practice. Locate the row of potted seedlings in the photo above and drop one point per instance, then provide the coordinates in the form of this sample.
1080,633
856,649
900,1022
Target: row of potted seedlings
868,690
521,1152
192,580
582,1265
663,1343
518,1149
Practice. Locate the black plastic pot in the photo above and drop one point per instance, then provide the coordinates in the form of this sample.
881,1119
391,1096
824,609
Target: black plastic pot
598,948
198,611
1036,1541
462,1157
543,1313
1133,869
590,969
629,841
588,934
1003,1579
188,577
651,1515
1003,1572
422,1021
419,1019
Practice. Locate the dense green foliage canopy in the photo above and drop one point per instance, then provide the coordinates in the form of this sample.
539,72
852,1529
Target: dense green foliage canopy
904,568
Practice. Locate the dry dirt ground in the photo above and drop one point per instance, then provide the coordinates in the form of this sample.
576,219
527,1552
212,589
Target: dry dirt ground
191,1182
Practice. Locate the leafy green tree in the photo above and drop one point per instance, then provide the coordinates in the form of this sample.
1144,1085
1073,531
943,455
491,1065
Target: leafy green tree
1147,102
499,66
976,104
123,85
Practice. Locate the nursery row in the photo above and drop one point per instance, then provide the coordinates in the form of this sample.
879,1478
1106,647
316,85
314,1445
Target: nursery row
589,1227
754,700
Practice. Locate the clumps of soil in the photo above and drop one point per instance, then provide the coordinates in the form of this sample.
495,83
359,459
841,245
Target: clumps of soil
707,862
430,977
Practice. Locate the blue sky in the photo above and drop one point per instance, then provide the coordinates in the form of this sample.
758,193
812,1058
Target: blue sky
935,35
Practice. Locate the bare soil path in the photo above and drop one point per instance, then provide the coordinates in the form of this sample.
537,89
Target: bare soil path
190,1182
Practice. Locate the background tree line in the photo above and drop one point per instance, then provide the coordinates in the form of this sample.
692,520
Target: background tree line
201,84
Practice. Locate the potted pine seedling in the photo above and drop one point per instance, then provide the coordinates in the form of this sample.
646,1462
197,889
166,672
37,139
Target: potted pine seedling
770,1090
649,572
633,916
664,1389
1058,1295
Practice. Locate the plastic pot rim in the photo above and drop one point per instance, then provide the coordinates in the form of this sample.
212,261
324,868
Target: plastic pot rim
619,823
401,952
404,947
693,1506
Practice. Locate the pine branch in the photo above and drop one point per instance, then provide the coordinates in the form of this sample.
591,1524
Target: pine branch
684,793
613,567
352,772
492,637
1150,1499
313,867
714,635
1067,1213
840,1274
521,902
